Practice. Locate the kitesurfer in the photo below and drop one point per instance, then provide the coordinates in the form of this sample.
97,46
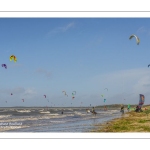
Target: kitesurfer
93,110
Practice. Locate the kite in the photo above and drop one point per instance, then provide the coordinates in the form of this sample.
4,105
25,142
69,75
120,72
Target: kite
137,39
148,65
44,96
102,95
104,100
11,94
23,100
13,57
65,93
74,92
73,97
4,65
106,89
141,100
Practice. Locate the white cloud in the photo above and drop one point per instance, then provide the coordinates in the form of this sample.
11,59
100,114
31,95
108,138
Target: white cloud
17,90
30,91
143,30
126,84
62,29
14,65
44,72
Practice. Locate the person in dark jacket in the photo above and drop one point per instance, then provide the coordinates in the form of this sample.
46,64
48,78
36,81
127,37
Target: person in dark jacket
122,109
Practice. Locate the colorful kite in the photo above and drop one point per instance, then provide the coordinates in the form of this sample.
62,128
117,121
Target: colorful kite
74,92
4,65
13,57
137,39
141,100
65,93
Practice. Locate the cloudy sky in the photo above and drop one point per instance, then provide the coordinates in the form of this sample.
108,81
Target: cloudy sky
85,55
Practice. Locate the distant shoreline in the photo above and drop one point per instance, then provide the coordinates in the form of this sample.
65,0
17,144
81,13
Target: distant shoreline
100,106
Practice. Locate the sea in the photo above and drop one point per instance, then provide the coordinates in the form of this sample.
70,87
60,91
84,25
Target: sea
73,119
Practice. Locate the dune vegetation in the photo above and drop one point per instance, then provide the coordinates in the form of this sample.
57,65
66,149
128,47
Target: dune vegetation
129,122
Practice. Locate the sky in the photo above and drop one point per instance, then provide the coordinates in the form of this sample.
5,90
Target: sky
85,55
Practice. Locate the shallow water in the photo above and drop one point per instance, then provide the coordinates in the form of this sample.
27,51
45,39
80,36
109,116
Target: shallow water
52,119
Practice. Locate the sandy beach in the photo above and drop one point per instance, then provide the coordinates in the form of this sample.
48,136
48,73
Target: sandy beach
129,122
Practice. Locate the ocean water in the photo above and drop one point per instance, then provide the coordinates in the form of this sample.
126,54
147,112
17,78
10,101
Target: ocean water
52,119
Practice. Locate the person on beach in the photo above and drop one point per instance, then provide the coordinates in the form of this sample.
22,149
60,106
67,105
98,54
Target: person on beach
122,109
128,107
62,112
137,109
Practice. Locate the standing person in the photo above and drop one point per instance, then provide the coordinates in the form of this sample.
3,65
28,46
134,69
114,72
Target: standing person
122,109
128,107
137,109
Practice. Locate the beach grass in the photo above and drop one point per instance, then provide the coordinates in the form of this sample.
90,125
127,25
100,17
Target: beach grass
129,122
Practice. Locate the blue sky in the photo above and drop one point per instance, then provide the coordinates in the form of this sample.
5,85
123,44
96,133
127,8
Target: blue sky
85,55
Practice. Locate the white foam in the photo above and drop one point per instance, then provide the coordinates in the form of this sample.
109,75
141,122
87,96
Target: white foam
45,112
55,114
23,111
78,113
58,121
41,110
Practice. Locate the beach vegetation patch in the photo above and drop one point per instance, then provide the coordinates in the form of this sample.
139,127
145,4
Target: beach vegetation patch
142,121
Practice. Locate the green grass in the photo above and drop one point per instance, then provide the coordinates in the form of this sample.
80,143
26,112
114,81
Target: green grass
134,122
142,121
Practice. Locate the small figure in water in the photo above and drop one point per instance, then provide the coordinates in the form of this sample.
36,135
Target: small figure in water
93,111
105,108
